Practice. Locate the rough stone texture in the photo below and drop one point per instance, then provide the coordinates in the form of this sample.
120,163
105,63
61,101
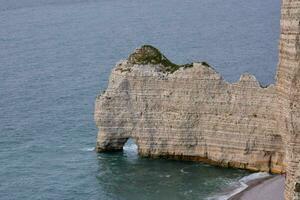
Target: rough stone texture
189,112
288,89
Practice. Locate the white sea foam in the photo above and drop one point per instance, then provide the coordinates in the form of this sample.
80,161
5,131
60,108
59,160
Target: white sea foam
243,184
164,175
130,147
254,176
88,149
184,172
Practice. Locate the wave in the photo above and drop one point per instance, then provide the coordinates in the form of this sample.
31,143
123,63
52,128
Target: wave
184,172
255,176
88,149
243,184
165,176
130,146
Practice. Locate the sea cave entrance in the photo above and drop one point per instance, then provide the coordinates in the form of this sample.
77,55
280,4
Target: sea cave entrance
130,147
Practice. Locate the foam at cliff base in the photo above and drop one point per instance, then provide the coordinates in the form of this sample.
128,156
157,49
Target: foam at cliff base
243,184
130,146
88,149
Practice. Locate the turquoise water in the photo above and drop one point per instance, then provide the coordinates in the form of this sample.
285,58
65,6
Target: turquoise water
56,56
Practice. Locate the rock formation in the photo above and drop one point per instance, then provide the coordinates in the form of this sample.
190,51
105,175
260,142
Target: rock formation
190,112
288,90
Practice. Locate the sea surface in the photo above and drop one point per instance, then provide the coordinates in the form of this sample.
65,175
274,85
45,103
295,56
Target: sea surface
56,56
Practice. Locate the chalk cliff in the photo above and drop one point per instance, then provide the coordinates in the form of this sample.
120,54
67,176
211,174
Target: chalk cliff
190,112
288,90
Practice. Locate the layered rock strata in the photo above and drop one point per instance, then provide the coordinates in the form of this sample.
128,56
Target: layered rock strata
190,112
288,90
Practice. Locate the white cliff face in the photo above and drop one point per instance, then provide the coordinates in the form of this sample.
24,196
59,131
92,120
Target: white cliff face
288,90
190,112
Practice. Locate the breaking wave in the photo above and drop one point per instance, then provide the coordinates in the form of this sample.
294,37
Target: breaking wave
88,149
242,185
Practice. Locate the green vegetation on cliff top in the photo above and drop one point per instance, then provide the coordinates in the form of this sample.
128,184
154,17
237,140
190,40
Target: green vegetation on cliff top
148,54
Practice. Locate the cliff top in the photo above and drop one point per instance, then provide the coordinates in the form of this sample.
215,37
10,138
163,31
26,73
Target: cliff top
148,54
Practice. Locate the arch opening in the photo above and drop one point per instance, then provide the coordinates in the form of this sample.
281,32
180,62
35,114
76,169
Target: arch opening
130,147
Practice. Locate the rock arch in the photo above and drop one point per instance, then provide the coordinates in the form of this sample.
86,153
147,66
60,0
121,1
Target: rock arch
190,112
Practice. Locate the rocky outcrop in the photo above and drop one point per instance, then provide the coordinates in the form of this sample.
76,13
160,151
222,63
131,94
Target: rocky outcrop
288,90
190,112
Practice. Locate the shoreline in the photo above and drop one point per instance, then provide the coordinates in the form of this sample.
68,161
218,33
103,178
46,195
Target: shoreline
271,187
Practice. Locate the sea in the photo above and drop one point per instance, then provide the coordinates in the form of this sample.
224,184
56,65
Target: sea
57,55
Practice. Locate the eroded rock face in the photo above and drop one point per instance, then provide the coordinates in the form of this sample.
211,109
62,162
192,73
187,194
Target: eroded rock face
288,89
190,112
